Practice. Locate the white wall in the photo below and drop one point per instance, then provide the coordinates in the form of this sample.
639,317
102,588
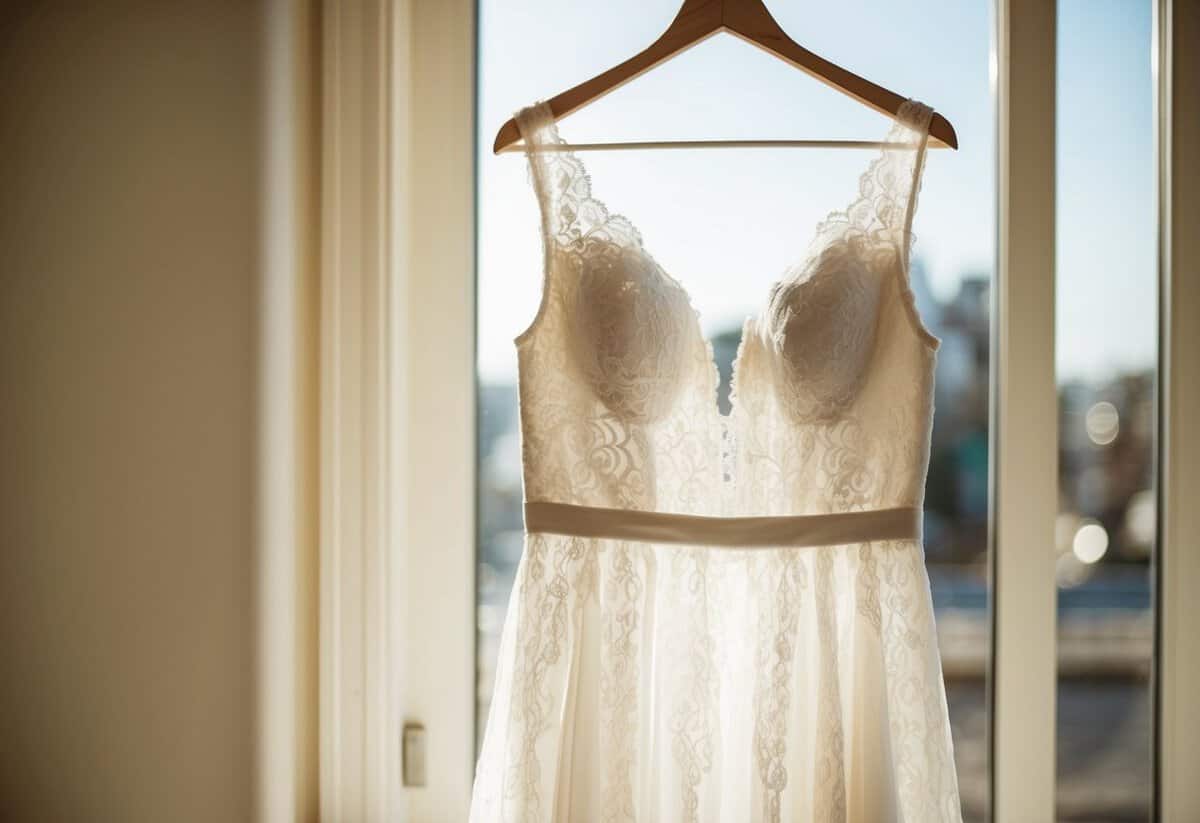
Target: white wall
131,232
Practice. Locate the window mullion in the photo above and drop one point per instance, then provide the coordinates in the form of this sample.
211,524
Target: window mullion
1024,468
1178,670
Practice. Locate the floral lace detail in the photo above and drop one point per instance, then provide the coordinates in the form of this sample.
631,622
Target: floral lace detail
829,776
644,682
867,587
623,593
693,716
546,633
773,695
631,335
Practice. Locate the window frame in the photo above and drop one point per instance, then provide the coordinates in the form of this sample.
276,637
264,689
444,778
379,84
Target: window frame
397,502
1177,646
397,406
1023,479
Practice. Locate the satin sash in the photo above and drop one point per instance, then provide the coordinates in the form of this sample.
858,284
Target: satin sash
903,523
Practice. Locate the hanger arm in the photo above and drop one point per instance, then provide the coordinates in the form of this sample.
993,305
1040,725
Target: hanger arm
749,20
695,22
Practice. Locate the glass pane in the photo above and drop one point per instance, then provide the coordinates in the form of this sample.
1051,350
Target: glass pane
1106,359
727,223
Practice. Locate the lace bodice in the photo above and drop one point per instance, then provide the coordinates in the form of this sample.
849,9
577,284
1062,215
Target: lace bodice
832,384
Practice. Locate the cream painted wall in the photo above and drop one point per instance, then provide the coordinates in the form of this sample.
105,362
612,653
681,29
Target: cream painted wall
131,237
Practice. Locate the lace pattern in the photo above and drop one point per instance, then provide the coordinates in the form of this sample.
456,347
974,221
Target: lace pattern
768,685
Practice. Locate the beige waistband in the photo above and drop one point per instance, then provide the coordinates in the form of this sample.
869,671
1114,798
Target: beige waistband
738,532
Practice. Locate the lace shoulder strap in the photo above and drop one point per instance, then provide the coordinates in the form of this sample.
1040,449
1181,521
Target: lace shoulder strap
536,124
911,134
549,172
563,187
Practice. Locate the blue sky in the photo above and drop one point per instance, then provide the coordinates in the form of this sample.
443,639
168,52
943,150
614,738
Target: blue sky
728,222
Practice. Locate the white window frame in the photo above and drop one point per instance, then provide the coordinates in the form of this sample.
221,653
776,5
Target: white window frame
1024,424
397,505
397,410
361,414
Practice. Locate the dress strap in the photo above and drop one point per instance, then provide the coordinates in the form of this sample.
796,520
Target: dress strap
536,126
912,122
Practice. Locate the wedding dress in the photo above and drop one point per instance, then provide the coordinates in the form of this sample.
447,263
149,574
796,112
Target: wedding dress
722,617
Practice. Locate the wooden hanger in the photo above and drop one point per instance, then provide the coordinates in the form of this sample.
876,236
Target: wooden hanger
698,20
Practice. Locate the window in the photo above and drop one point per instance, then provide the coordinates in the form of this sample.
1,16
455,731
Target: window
395,510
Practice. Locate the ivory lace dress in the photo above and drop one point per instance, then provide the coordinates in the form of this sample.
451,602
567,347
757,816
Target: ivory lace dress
722,618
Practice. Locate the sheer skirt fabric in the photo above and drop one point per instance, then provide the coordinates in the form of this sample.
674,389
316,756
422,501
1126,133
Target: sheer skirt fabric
654,683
